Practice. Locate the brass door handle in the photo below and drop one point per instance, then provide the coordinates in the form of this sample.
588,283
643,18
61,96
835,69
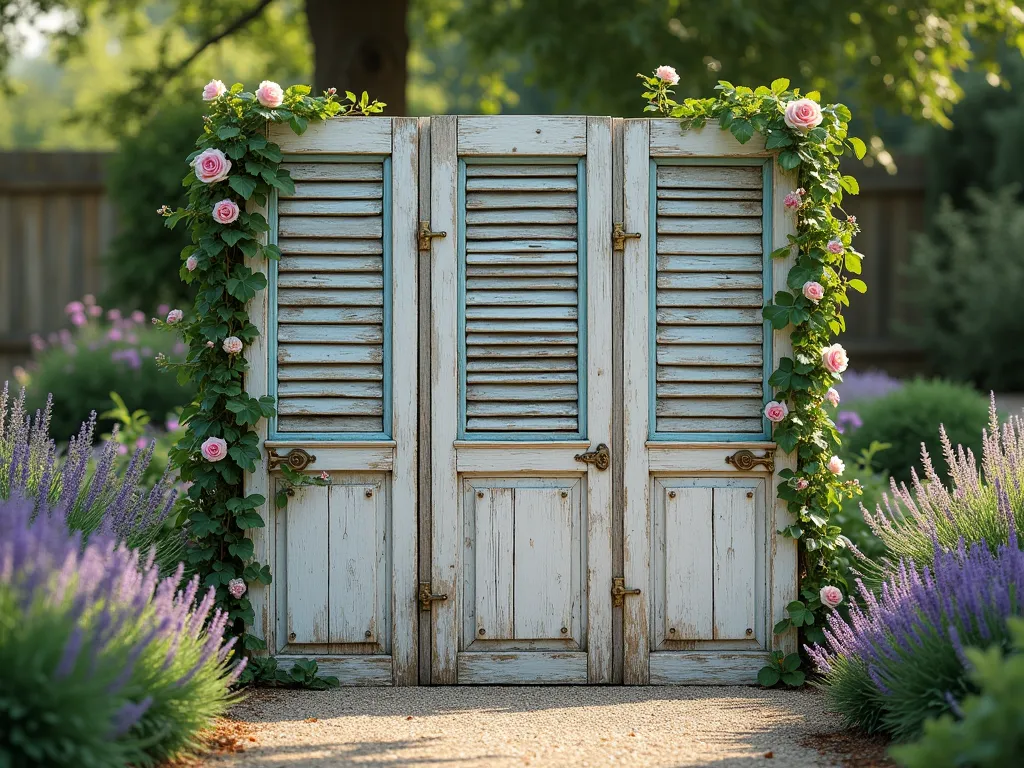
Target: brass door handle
619,237
425,235
600,457
426,596
619,592
296,458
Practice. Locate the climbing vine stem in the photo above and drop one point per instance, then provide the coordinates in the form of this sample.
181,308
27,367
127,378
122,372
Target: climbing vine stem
234,171
809,138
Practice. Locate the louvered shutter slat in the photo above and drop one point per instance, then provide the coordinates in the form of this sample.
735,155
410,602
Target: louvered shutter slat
521,304
330,294
709,293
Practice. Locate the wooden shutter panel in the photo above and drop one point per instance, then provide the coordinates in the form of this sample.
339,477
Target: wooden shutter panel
522,297
331,298
710,338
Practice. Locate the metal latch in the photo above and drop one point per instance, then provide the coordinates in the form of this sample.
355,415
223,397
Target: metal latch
426,596
296,459
619,237
425,235
745,460
619,591
600,458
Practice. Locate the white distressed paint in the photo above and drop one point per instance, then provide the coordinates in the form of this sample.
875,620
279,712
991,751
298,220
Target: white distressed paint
534,668
522,135
307,565
543,589
494,545
689,569
357,563
735,523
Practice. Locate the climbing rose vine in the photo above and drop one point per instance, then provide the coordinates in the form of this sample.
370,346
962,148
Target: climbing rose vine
810,139
234,170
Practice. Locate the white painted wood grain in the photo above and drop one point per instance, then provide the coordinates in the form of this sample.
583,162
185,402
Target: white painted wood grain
494,545
689,568
357,562
316,172
405,393
533,668
334,456
522,135
706,667
354,135
667,140
636,484
350,669
307,565
696,457
521,457
543,594
735,522
446,538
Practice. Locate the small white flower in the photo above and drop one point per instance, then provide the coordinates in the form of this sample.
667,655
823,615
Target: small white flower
232,345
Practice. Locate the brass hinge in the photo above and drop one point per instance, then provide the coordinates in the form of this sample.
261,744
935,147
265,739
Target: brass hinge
745,460
426,596
296,459
619,237
619,592
600,458
425,235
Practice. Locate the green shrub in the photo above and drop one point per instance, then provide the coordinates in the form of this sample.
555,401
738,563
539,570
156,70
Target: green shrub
874,483
912,415
989,729
967,274
103,354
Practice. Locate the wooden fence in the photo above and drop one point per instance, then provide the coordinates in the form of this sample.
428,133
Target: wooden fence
56,223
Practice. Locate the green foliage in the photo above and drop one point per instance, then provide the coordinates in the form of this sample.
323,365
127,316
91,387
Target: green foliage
263,670
218,510
964,272
873,479
781,669
912,415
988,731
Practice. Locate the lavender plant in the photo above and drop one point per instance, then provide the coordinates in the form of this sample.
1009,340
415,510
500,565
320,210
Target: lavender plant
899,659
104,662
94,492
966,508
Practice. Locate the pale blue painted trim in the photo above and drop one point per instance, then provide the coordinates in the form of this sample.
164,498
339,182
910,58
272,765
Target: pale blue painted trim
387,363
581,295
766,281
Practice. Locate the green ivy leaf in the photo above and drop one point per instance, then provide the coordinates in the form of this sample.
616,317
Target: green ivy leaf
859,286
243,185
780,85
743,130
228,132
849,184
789,159
859,148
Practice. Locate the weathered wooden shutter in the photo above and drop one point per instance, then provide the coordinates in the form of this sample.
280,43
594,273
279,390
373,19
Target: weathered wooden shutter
522,296
333,298
710,336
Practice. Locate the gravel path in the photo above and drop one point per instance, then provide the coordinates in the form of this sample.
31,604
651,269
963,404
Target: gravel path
541,726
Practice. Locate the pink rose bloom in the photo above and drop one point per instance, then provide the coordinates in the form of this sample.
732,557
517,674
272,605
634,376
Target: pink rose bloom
79,319
172,424
814,291
324,476
74,307
801,484
834,358
232,345
138,316
269,94
175,316
211,166
122,449
213,89
163,309
237,588
835,247
214,449
776,412
225,212
191,263
667,74
792,201
141,443
802,115
95,311
114,334
836,466
833,396
114,314
831,596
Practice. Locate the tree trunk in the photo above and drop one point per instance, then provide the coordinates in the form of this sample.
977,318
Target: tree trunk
361,45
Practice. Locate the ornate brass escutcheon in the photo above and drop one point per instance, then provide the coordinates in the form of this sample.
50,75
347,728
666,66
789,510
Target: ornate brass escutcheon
600,457
619,591
426,596
425,235
619,237
745,460
296,459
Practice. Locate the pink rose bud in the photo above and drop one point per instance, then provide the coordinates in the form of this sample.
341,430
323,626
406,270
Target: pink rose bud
269,94
324,476
174,316
232,345
814,291
225,212
74,307
213,89
801,484
163,309
776,412
802,115
331,91
138,316
834,358
210,344
211,166
114,315
835,247
792,201
836,466
214,449
95,310
852,219
833,396
831,596
191,263
237,588
667,74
